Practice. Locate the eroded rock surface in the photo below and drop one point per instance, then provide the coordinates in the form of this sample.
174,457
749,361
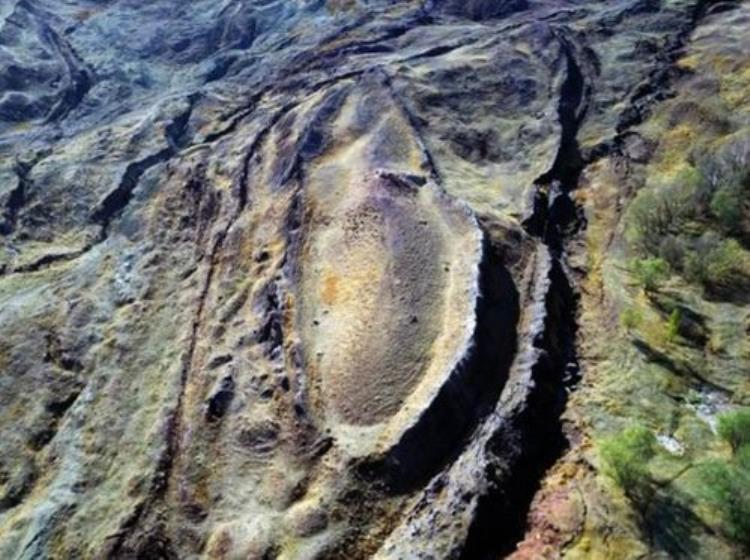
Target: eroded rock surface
291,279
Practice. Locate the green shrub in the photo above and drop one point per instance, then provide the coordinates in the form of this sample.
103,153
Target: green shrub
659,211
742,456
718,264
626,457
728,166
631,318
734,428
650,272
672,249
726,487
726,206
672,328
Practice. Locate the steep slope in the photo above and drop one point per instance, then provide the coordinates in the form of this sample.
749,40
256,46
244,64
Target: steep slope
669,355
303,279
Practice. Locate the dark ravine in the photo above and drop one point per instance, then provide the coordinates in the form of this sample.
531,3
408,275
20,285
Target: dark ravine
176,136
658,86
118,199
79,78
536,434
17,197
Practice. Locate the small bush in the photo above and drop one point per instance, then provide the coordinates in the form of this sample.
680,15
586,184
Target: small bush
718,264
672,249
726,206
651,272
631,318
734,428
727,166
626,456
658,212
742,456
726,183
726,487
672,328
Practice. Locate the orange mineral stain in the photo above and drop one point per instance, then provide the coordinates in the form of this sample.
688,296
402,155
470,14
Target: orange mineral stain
330,289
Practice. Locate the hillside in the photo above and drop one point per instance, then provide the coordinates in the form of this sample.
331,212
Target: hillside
353,279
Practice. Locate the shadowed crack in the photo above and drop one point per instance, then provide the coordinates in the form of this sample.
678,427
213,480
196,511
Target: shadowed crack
79,76
16,198
528,438
116,201
413,121
658,85
533,440
501,520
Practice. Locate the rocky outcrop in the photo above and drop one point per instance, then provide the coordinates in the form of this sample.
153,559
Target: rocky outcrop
298,279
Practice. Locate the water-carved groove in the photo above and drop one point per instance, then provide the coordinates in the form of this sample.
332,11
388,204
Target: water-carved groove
501,520
16,198
50,259
534,439
118,199
115,202
658,85
429,160
79,76
218,403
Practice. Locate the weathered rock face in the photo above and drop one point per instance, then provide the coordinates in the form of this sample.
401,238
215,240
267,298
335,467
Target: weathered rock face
291,278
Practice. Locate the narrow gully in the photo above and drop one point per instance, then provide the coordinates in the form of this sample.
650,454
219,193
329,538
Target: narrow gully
555,219
538,438
17,197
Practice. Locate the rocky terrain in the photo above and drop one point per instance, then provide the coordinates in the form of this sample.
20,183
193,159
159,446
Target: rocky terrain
381,279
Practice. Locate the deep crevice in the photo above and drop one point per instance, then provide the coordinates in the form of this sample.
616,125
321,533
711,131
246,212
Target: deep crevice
311,60
16,198
236,117
119,198
81,78
534,439
177,136
659,83
50,259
